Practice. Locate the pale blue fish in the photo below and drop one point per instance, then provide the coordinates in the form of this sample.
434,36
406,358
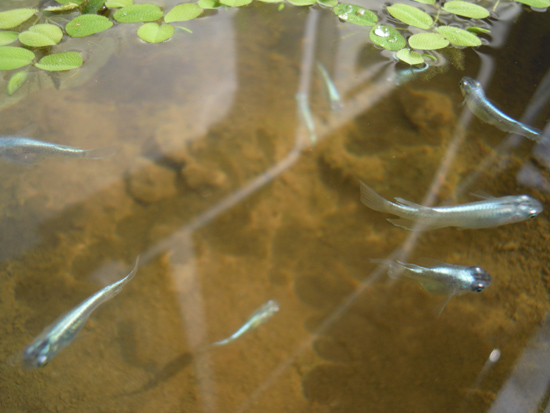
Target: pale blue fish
334,97
407,74
305,113
487,112
260,316
62,331
25,150
490,212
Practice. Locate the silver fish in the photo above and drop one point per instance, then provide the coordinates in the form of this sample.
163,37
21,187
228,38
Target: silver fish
441,278
334,97
260,316
305,113
490,212
62,331
24,150
487,112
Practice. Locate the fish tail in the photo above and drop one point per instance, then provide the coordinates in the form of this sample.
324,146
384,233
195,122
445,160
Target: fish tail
374,201
100,153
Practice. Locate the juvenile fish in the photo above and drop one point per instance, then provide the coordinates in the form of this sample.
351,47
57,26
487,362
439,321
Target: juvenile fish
334,97
261,315
487,112
490,212
305,113
62,331
26,150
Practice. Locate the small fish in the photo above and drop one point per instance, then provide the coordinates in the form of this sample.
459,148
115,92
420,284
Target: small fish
305,113
405,75
490,212
334,97
487,112
62,331
259,317
24,150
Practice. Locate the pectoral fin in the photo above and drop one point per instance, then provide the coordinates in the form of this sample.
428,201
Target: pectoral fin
413,225
482,195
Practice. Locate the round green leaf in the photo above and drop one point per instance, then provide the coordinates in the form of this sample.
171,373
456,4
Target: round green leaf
425,1
410,57
328,3
153,33
209,4
271,1
302,2
62,8
16,81
65,2
235,3
387,37
465,9
60,61
8,37
138,13
14,57
428,41
41,35
117,4
13,18
476,29
459,37
355,14
537,4
183,12
411,15
87,24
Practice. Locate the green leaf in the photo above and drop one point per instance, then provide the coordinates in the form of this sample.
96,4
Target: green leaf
271,1
281,7
153,33
537,4
58,62
465,9
138,13
328,3
459,37
87,24
476,29
410,57
387,37
93,6
62,8
13,18
411,15
16,81
183,12
209,4
355,14
65,2
116,4
41,35
8,37
425,1
14,57
235,3
428,41
302,2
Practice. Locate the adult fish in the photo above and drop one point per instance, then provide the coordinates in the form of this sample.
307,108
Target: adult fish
62,331
487,112
490,212
334,97
260,316
24,150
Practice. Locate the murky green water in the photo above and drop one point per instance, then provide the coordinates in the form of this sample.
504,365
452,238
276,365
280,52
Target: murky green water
217,186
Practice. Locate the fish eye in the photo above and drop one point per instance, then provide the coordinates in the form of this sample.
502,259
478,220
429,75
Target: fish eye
477,288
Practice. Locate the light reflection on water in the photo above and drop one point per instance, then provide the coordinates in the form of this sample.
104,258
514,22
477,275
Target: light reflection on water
217,186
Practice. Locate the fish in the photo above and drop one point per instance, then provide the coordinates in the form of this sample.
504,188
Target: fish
62,331
405,75
487,213
334,97
305,113
23,150
481,107
260,316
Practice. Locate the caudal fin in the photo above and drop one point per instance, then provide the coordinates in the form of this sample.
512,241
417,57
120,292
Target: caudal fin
100,153
374,201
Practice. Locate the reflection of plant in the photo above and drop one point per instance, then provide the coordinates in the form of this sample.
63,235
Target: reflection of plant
95,16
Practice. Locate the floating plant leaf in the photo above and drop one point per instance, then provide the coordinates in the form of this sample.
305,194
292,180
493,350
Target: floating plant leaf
209,4
87,24
41,35
410,57
183,12
65,2
58,62
271,1
537,4
116,4
476,29
138,13
465,9
62,8
425,1
387,37
411,15
235,3
459,37
16,81
7,37
428,41
14,57
13,18
93,6
328,3
355,14
153,33
302,2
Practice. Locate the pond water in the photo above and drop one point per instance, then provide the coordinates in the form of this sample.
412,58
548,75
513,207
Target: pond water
230,201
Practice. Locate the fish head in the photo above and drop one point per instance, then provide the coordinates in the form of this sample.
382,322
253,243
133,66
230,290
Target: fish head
527,207
468,84
481,279
37,354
